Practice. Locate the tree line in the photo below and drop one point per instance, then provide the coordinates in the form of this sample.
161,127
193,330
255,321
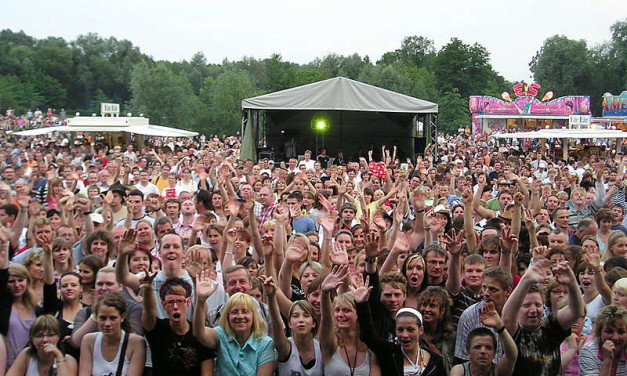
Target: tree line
193,94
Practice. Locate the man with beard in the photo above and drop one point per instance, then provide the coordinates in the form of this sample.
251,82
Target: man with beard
174,348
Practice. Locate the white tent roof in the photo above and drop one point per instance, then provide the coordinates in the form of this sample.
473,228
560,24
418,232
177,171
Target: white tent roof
565,133
339,94
137,125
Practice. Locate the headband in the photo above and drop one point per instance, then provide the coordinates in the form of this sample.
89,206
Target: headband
411,311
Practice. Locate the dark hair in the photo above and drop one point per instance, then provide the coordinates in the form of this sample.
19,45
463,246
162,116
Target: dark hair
99,235
175,284
204,197
480,332
10,209
136,192
614,262
93,263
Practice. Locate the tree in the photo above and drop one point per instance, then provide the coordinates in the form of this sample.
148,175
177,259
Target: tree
415,51
162,95
563,65
454,113
225,95
464,67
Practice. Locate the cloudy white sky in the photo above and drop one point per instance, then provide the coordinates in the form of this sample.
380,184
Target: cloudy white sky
300,31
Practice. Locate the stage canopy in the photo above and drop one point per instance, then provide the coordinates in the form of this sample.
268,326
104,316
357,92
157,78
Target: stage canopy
339,113
101,124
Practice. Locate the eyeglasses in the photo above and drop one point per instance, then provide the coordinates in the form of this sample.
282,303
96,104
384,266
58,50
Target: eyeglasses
171,302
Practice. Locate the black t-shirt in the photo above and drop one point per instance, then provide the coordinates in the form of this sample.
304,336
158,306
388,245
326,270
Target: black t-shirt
173,354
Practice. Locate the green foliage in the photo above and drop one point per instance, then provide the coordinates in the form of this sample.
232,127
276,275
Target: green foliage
463,67
222,101
193,93
563,65
162,95
454,113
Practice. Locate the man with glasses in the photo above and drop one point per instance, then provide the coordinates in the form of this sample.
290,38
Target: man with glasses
174,349
436,259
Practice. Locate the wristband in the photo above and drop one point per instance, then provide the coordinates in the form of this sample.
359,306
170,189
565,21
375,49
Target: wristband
501,330
371,260
420,211
57,361
24,210
87,213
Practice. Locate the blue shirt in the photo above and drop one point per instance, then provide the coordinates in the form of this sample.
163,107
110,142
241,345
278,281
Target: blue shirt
303,225
235,360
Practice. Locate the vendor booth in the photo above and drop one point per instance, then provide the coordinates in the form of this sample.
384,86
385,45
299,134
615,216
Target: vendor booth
525,112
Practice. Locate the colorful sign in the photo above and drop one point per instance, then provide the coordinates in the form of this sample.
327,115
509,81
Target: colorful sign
615,105
527,106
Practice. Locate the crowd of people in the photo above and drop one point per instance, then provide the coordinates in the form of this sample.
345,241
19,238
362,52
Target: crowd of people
178,257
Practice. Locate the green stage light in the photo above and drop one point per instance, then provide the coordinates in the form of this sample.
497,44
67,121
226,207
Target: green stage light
321,125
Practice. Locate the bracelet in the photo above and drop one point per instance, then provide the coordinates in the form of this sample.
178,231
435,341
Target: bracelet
24,210
506,253
228,253
370,261
420,211
87,213
57,361
426,228
501,330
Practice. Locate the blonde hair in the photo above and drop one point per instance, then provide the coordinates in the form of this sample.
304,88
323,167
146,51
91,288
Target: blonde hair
259,328
614,237
20,271
620,284
347,299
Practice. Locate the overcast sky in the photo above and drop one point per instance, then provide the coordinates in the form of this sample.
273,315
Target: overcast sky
512,31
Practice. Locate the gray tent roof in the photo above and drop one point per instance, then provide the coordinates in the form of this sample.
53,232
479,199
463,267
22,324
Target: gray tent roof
340,94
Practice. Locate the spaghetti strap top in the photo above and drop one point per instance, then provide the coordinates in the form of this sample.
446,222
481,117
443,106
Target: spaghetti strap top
337,366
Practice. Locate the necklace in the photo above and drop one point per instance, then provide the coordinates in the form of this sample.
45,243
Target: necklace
352,368
419,366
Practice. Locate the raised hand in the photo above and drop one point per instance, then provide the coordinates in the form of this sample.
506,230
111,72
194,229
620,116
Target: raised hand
454,242
540,252
467,197
267,245
538,271
490,317
327,223
518,199
418,201
372,246
280,214
335,278
230,235
296,251
339,255
401,244
378,220
563,273
204,285
127,244
361,289
45,241
269,285
508,239
146,281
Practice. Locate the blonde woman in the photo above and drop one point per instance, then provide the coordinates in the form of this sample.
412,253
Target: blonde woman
342,351
240,340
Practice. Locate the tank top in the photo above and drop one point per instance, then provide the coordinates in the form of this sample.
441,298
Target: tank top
101,367
17,336
337,366
293,365
467,369
32,368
